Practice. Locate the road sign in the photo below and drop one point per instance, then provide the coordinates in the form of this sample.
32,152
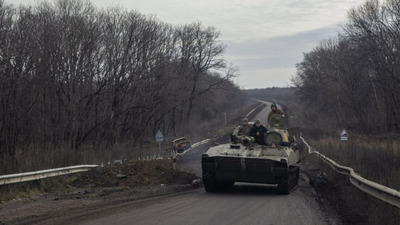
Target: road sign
159,136
344,136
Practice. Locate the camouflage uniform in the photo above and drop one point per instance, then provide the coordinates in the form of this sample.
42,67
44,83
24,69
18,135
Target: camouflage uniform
276,111
244,130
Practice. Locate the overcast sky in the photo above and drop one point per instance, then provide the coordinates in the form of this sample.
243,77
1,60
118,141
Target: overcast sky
265,38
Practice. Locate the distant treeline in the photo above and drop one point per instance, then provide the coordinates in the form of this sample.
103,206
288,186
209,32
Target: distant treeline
73,75
274,94
354,79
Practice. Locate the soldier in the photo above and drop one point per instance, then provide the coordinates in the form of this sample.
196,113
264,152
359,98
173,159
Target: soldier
258,131
245,128
275,110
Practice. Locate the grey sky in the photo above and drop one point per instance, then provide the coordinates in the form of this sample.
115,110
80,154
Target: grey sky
264,38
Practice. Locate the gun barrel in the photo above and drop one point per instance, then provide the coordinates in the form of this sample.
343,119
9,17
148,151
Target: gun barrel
246,140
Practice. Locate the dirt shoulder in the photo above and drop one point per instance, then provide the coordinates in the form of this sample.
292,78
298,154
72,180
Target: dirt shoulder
96,191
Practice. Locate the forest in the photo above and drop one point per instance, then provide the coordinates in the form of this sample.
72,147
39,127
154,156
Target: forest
76,79
353,79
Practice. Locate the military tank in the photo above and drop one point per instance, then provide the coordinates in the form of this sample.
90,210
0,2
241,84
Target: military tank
243,160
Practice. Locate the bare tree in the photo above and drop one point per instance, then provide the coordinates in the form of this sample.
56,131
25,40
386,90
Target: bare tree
200,51
357,76
75,77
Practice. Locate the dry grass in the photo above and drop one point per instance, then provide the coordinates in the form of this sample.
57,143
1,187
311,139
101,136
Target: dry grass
35,189
47,157
374,158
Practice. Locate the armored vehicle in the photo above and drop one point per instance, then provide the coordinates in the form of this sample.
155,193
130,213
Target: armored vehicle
242,160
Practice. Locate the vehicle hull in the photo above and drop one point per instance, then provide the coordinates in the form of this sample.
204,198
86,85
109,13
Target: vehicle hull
242,169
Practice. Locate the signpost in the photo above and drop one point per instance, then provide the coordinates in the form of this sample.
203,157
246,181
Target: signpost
159,139
225,118
344,136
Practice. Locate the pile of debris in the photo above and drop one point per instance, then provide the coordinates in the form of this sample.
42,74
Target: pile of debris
134,173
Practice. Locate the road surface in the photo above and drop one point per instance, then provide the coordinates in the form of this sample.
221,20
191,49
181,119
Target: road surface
245,204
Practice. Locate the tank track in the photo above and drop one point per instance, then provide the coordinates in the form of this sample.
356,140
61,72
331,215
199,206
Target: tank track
211,185
288,184
285,184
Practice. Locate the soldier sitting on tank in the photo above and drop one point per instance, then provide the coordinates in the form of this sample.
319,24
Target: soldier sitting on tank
242,131
275,110
245,128
258,131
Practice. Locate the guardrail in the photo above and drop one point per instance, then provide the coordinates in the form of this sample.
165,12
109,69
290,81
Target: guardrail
379,191
255,110
37,175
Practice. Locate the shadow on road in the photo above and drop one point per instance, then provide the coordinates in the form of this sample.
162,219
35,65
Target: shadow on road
250,189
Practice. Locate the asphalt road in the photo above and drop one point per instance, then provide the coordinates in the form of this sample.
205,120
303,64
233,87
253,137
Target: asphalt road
243,204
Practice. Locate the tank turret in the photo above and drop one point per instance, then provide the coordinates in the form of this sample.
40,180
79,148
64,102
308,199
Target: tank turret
277,133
